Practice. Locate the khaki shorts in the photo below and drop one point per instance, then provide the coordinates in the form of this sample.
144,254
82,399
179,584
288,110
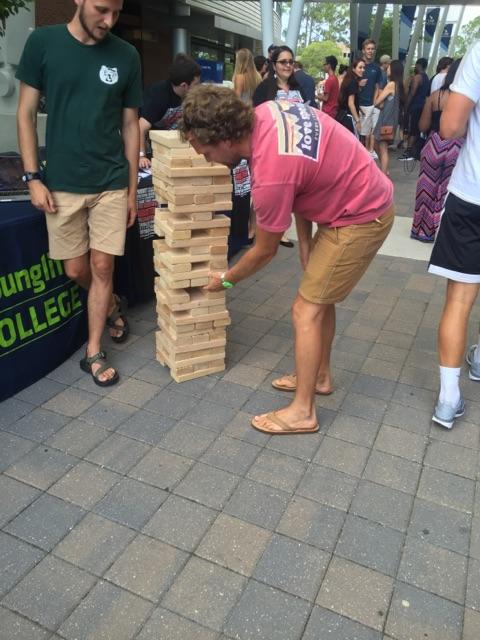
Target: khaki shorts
339,258
87,221
368,120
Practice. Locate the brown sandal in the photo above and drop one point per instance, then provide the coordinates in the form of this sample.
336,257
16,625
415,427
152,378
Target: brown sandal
118,314
86,365
293,379
285,429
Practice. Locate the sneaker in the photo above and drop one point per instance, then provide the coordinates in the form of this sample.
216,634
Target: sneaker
374,154
407,155
446,413
474,372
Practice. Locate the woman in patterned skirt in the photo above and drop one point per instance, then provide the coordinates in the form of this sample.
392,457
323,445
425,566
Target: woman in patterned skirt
437,160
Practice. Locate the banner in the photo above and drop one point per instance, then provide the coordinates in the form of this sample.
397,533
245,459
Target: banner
364,19
431,20
445,39
407,15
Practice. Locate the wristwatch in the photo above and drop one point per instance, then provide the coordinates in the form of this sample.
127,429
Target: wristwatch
28,176
226,284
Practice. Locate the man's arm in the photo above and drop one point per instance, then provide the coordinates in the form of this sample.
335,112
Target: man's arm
455,115
304,233
414,85
131,142
28,143
145,127
265,248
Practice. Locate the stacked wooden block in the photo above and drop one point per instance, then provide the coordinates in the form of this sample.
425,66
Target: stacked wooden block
193,242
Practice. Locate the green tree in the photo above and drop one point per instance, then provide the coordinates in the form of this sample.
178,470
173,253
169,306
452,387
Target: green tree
8,8
384,44
323,21
469,33
314,55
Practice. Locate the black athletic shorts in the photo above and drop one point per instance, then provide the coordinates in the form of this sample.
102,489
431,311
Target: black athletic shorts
413,120
456,253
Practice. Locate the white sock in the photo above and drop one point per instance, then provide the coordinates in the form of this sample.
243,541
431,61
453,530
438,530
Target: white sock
449,384
476,353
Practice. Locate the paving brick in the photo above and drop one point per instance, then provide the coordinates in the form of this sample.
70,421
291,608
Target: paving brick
147,427
45,522
353,429
234,544
77,438
205,593
374,386
414,397
241,428
161,468
210,415
107,612
353,345
416,615
327,624
231,455
446,489
393,472
49,592
13,409
263,402
180,522
228,394
94,543
108,413
16,559
133,391
40,391
304,447
14,627
71,402
41,467
165,625
38,424
433,569
277,470
342,456
292,566
257,503
186,439
261,358
374,501
441,526
85,484
471,625
311,522
14,497
475,538
131,503
118,453
473,585
415,377
448,457
170,404
246,375
328,487
12,448
465,434
408,418
356,592
360,406
400,442
154,373
198,388
264,613
147,567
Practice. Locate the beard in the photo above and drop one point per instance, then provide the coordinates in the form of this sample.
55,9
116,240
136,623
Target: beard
86,28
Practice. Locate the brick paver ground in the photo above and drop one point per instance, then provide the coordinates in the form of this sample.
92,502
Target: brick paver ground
152,511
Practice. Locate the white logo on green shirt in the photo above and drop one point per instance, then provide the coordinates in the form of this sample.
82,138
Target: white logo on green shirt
109,75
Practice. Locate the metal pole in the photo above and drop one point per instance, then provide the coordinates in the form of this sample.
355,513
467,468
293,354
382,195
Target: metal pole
353,29
377,26
179,41
432,63
266,8
294,22
456,29
417,32
396,31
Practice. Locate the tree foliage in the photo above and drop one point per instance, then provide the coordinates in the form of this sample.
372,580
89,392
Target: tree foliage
469,33
8,8
384,44
314,54
323,21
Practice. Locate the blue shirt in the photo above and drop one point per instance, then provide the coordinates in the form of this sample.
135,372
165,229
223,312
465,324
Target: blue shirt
373,75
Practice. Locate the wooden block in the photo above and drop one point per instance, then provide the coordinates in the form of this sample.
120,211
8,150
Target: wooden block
168,138
183,256
226,179
204,371
203,198
176,296
200,161
198,239
218,249
165,227
199,282
201,326
221,323
218,232
213,170
173,189
219,264
173,152
225,205
191,349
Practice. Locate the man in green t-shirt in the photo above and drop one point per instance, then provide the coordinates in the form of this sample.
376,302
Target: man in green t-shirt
91,80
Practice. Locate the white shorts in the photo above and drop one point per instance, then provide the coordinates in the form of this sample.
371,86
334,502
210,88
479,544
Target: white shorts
368,120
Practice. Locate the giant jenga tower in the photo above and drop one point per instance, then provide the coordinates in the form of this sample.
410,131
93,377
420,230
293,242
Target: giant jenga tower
193,241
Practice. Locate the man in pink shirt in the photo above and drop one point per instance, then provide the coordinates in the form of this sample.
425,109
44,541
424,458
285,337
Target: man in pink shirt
300,160
329,95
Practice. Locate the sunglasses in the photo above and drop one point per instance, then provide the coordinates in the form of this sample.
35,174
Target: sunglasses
285,62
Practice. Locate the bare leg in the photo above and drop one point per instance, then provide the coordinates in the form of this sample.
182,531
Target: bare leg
313,327
382,150
452,330
78,270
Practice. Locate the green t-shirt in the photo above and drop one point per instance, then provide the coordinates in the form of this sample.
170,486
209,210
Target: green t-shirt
86,89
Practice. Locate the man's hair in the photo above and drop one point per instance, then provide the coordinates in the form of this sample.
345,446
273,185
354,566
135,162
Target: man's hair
332,61
368,41
259,61
422,62
272,47
183,69
298,64
213,113
444,63
385,58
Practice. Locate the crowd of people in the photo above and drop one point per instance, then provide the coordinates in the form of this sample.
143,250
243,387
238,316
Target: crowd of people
299,158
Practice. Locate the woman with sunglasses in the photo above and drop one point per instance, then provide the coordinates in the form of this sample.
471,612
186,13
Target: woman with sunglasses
280,84
348,106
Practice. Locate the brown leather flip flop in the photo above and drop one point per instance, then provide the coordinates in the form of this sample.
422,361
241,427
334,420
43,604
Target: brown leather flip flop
293,378
285,429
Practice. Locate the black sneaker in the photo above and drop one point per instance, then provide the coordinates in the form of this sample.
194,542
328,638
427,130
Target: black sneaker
406,155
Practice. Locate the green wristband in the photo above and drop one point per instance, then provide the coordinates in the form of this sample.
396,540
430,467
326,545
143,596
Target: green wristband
226,284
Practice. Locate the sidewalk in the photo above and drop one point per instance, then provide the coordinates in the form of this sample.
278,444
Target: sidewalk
153,511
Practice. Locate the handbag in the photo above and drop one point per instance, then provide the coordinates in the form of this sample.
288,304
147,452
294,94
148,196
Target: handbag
387,133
